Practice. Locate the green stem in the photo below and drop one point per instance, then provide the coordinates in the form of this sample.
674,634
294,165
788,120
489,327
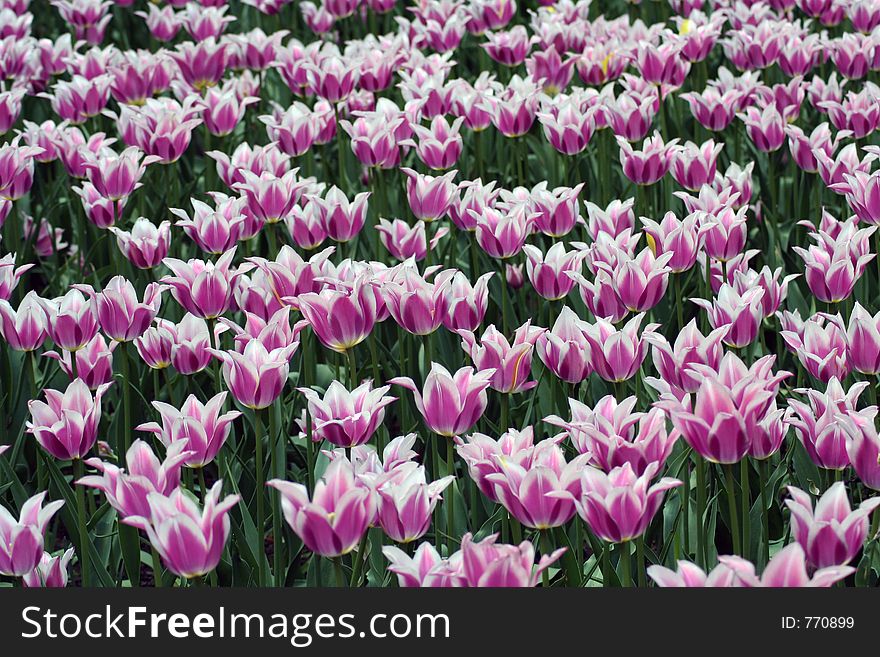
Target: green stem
122,444
449,498
640,561
157,568
358,560
78,471
340,575
546,549
702,556
763,466
623,555
746,506
730,479
277,460
261,513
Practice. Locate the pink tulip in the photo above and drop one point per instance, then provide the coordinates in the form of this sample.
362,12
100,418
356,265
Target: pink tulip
189,539
831,534
10,275
406,502
430,197
128,490
565,350
146,245
503,234
341,318
649,165
21,541
863,449
741,314
619,506
347,419
256,375
617,354
66,424
511,362
94,362
338,514
50,573
203,288
199,426
416,305
694,166
612,435
691,346
343,219
466,304
549,273
26,328
214,231
863,341
451,403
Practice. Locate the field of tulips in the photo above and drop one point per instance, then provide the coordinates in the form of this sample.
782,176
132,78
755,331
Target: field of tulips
466,293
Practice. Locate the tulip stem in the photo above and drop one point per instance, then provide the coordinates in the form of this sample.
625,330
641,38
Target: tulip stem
623,558
261,514
352,369
546,549
730,478
746,506
684,527
763,466
450,497
640,561
278,467
157,568
701,510
78,470
340,575
122,445
503,425
358,559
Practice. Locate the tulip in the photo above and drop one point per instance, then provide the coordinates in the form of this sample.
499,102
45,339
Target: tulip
342,218
484,455
787,568
541,495
611,435
93,363
619,506
416,305
203,288
50,573
617,354
256,375
681,239
10,275
404,242
673,361
694,166
66,424
863,449
511,362
73,321
27,328
565,350
120,315
466,304
834,266
289,276
823,424
821,347
649,165
831,534
439,146
21,541
718,426
128,490
451,403
343,318
116,177
488,564
503,234
338,514
549,273
200,427
189,539
863,341
214,231
430,197
406,502
741,314
426,568
347,419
